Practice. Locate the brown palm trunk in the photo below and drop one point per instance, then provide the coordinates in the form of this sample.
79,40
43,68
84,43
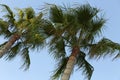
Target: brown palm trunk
70,64
9,44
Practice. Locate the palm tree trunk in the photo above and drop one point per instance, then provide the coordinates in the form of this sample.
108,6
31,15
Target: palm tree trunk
70,64
9,44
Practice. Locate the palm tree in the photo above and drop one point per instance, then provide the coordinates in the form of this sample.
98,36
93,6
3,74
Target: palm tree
72,38
22,32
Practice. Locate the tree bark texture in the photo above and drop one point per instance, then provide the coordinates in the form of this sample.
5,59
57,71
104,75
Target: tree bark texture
9,44
70,64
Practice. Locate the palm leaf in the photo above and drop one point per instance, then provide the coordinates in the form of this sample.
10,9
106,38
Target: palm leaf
26,58
20,14
57,49
10,14
85,13
37,42
84,65
48,28
29,13
56,14
97,25
104,47
59,68
4,29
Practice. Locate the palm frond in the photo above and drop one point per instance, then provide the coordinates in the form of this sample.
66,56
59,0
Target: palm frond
85,13
70,18
59,68
29,13
104,47
56,14
4,29
20,13
48,28
26,58
84,65
97,25
34,38
38,42
116,56
88,22
57,49
10,15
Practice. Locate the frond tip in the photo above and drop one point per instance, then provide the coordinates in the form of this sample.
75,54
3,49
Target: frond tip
9,15
103,48
56,14
26,58
83,65
60,68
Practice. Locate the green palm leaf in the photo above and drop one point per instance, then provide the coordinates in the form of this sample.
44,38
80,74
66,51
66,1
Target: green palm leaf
83,65
56,14
4,29
59,68
85,13
57,49
10,15
26,58
104,47
29,13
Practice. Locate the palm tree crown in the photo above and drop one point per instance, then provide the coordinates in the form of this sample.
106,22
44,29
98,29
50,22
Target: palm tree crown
74,30
22,31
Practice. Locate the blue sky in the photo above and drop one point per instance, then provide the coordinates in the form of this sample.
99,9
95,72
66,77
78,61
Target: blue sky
42,64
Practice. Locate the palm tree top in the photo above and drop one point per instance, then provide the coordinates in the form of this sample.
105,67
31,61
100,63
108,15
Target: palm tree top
25,24
77,26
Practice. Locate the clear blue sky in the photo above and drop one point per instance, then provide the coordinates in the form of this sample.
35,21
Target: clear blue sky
42,64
